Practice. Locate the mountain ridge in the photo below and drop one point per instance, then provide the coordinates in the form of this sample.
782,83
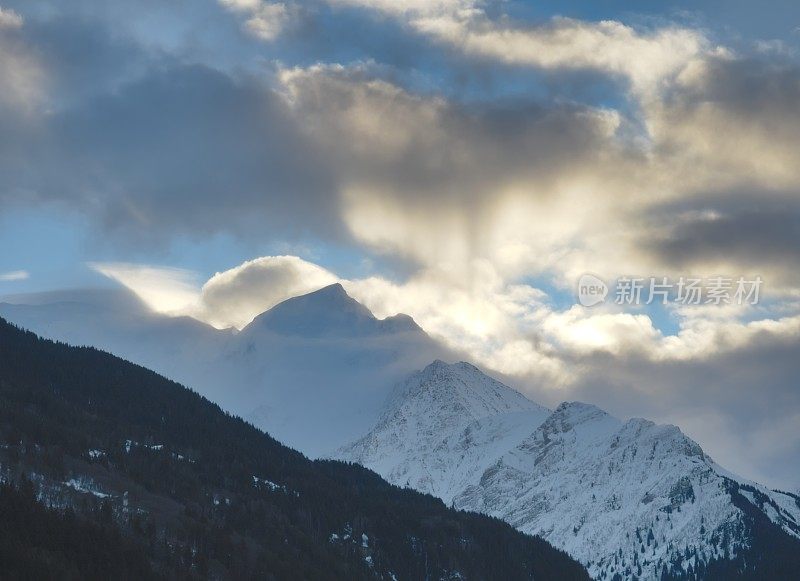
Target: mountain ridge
438,402
592,484
314,370
328,312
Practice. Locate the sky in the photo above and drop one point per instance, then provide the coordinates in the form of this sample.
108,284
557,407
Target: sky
462,161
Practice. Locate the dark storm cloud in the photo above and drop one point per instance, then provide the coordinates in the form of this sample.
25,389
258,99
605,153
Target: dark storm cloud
747,107
762,86
151,146
751,233
81,58
736,123
193,148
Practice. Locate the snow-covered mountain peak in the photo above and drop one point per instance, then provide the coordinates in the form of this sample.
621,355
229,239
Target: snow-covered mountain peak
667,436
459,390
427,431
569,414
400,323
328,312
335,291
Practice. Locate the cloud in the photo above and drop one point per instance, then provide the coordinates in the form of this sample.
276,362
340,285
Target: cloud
9,19
441,182
724,122
14,275
737,116
228,299
159,148
164,290
413,8
493,321
183,149
236,296
264,20
760,239
21,70
561,189
645,59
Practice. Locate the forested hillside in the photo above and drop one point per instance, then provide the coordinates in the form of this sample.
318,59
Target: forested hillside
114,471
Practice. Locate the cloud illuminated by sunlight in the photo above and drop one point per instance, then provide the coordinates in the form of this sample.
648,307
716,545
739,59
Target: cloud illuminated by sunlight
165,290
510,328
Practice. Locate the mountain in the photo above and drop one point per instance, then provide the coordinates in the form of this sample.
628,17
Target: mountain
326,376
315,370
111,471
628,499
329,312
119,322
435,422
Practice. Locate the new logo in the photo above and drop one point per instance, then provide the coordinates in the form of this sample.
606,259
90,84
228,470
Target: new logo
591,290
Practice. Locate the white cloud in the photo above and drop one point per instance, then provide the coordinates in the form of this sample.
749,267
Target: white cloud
581,331
565,190
414,8
727,122
228,299
442,183
234,297
646,59
264,20
9,19
23,75
171,291
14,275
477,202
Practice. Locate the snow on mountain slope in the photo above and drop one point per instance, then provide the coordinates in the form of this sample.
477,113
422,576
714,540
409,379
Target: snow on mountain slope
313,371
434,423
592,485
625,498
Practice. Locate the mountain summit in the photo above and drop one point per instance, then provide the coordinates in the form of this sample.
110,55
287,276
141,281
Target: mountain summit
328,312
436,421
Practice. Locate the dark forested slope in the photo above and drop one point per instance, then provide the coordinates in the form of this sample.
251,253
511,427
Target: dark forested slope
114,471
